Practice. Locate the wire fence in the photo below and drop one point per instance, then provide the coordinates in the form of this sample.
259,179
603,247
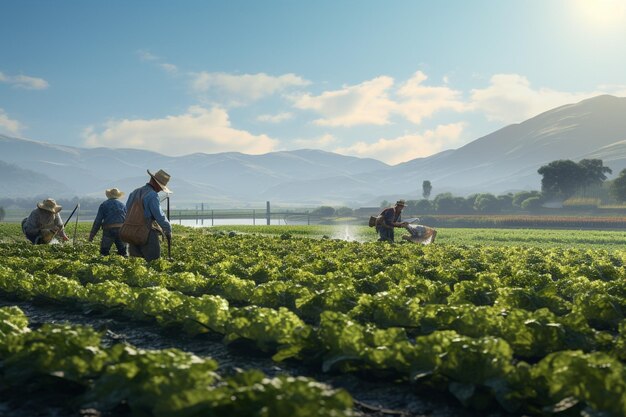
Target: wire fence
242,216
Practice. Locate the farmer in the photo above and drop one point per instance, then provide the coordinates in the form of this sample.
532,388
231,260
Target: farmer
388,219
419,233
110,217
44,223
153,215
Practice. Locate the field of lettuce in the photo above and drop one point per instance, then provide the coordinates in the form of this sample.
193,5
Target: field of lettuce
491,322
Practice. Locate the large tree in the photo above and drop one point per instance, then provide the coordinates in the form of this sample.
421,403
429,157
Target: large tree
563,178
486,203
594,172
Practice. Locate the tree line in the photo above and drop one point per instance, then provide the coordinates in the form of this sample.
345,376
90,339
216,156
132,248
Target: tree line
561,179
447,203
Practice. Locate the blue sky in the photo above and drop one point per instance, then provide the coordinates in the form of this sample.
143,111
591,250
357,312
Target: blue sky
392,80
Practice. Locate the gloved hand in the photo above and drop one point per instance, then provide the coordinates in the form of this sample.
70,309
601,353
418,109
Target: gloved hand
91,237
61,234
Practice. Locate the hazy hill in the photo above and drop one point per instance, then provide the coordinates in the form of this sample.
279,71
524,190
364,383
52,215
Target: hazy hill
225,177
504,160
19,182
507,159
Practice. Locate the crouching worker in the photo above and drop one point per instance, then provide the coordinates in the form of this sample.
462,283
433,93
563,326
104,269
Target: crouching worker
44,223
110,217
420,234
388,219
152,220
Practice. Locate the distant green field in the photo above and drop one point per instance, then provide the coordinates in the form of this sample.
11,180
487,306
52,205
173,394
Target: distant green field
609,240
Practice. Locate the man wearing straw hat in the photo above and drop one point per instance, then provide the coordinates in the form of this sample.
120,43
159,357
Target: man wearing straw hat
153,214
388,219
110,217
44,223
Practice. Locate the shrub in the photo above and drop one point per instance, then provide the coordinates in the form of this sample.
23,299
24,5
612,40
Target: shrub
324,211
486,203
344,212
532,203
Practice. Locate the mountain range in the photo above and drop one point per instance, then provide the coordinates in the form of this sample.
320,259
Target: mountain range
505,160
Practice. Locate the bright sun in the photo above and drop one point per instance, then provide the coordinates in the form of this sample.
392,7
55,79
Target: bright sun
602,12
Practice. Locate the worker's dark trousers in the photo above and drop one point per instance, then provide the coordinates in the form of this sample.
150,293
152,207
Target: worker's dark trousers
150,251
386,235
34,239
109,237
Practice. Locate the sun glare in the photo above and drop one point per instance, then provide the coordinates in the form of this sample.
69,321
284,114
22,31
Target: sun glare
602,12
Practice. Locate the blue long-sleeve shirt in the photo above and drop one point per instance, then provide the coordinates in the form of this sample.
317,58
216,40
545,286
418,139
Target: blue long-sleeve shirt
390,217
112,211
151,207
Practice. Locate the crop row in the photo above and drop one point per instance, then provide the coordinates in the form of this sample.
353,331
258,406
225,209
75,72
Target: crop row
420,313
467,366
163,383
359,279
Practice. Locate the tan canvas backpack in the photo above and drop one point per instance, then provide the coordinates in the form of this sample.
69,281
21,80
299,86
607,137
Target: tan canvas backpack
135,230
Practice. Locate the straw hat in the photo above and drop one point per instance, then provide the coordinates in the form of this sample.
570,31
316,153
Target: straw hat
401,203
114,193
161,178
49,205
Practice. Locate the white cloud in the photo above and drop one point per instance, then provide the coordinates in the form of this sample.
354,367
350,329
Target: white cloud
198,130
323,141
8,125
24,81
509,98
245,87
275,118
420,101
407,147
365,103
370,102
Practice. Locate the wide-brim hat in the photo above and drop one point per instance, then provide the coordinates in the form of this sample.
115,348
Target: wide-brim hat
401,203
49,205
161,178
114,193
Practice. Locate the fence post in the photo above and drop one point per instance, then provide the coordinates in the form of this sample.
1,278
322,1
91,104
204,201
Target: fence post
253,217
308,218
212,218
268,213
